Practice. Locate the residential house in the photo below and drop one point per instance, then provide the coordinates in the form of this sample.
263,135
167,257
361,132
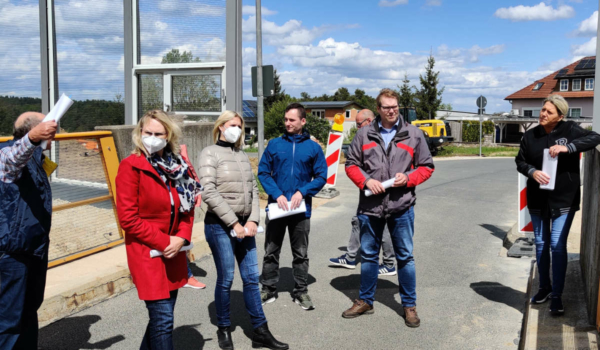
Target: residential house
328,109
574,82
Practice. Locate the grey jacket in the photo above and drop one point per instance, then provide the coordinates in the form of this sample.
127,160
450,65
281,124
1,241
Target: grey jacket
368,158
230,188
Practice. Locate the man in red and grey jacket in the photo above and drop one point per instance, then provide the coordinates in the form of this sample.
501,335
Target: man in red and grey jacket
387,149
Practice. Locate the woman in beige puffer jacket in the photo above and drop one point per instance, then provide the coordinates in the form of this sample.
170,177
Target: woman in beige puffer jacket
231,222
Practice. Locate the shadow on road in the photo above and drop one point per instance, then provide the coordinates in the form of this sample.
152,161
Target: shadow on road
500,293
238,314
385,294
188,337
74,333
197,271
496,231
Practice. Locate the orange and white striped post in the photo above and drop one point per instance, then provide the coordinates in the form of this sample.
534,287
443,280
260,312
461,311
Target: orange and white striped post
334,148
524,222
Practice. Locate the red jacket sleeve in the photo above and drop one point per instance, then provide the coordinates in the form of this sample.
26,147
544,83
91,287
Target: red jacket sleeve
186,224
423,163
127,183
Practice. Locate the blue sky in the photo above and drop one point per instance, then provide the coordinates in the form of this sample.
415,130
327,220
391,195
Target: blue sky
481,47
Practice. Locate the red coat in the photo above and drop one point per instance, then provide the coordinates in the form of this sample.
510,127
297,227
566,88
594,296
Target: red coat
144,209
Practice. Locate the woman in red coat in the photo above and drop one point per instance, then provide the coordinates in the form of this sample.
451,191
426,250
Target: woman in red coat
155,204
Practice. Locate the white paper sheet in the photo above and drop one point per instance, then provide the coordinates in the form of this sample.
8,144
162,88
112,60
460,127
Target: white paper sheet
386,184
58,111
549,168
259,229
276,213
154,253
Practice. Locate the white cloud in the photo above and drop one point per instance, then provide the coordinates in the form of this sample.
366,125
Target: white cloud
184,8
539,12
589,26
586,49
392,3
251,11
433,3
290,33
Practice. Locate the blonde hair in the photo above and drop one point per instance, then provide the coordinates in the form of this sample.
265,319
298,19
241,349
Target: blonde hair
173,131
562,106
389,93
224,118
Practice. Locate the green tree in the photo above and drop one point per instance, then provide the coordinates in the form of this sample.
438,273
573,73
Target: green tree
274,126
429,97
174,56
279,95
342,94
318,127
405,92
446,106
366,101
351,134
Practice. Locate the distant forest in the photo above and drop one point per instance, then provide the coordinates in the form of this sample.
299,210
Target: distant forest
82,116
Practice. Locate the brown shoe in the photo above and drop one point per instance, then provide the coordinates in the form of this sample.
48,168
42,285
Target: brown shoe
359,308
411,318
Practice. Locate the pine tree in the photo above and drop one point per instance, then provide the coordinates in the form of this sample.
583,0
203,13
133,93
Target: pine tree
406,95
429,97
279,95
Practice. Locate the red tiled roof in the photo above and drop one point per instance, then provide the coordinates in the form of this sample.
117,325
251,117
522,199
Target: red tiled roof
550,85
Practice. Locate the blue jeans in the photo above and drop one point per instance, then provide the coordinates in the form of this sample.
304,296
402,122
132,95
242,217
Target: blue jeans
551,237
159,332
226,250
402,228
22,283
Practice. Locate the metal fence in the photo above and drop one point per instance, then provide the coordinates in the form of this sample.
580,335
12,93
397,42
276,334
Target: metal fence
84,219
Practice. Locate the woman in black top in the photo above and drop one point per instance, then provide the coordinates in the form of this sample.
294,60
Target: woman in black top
552,211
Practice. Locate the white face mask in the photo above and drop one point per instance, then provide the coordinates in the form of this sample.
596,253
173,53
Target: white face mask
232,134
153,144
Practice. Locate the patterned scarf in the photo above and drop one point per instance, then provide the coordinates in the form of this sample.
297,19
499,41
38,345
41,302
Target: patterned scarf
173,167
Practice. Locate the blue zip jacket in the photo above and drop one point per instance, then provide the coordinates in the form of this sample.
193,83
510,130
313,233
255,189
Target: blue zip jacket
293,163
26,210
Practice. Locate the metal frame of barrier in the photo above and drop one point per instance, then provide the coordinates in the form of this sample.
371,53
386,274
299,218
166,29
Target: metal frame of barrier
110,164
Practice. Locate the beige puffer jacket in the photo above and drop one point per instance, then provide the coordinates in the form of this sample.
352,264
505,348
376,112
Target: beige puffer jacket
230,188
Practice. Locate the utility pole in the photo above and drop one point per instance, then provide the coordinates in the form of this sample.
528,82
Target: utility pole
259,82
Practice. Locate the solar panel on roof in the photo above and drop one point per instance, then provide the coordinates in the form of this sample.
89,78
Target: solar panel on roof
561,73
590,64
582,64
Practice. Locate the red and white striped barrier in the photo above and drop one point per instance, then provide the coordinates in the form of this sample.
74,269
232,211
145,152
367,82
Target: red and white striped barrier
332,156
524,222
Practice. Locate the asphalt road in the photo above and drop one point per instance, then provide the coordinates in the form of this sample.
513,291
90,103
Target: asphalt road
469,297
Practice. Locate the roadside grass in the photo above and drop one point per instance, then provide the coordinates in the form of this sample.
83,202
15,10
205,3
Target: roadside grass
455,151
251,150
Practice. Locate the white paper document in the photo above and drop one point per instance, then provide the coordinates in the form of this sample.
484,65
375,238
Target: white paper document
154,253
58,111
276,213
386,184
259,229
549,168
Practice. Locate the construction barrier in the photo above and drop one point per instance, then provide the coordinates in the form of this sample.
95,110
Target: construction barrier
84,218
334,149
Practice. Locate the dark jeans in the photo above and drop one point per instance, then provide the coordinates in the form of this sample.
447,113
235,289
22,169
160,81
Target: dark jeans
298,227
551,237
402,228
22,283
226,250
159,332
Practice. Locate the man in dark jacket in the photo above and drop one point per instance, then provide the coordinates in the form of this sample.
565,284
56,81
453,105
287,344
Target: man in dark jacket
388,149
25,216
292,169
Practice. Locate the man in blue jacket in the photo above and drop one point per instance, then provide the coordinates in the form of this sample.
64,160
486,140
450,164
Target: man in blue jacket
292,169
25,216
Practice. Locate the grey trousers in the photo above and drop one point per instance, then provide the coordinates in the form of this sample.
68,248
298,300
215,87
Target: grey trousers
389,257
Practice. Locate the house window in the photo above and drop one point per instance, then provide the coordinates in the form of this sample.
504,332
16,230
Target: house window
574,112
348,113
531,112
319,113
564,85
576,84
538,86
589,84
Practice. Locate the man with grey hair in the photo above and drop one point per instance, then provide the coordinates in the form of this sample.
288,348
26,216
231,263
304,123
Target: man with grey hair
25,216
348,260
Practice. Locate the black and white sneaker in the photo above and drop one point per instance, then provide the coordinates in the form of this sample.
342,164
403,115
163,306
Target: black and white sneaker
542,295
343,262
556,306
